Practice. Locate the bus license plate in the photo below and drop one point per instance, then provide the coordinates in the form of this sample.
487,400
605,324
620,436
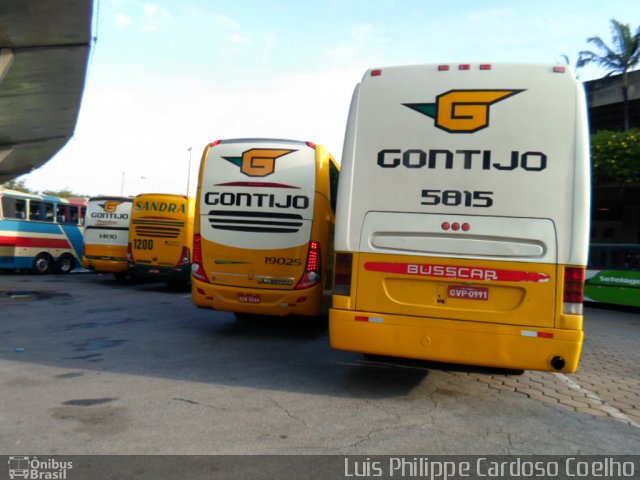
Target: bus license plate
468,293
154,270
248,298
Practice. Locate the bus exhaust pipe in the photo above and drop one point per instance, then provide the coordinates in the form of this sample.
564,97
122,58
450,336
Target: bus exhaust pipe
557,363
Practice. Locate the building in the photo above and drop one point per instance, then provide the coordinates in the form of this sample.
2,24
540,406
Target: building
615,208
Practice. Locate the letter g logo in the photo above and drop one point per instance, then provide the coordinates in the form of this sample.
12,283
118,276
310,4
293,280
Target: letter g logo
258,162
462,111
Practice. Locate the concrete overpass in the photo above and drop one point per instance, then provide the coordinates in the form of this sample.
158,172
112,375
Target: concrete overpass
44,51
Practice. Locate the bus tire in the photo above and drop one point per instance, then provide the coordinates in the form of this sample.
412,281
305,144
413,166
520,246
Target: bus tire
42,264
65,264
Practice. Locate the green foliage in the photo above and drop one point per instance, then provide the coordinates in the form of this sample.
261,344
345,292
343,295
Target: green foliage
615,157
17,185
64,193
20,186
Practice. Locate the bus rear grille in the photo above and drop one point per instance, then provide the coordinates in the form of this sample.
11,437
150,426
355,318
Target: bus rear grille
157,232
261,222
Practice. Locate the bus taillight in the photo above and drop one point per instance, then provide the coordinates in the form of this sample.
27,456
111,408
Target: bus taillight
129,253
342,275
311,274
573,290
197,269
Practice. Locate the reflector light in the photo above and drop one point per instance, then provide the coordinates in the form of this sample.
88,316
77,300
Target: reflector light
466,227
485,66
464,66
376,72
443,68
311,145
342,274
445,226
536,334
455,227
362,318
213,144
559,69
129,253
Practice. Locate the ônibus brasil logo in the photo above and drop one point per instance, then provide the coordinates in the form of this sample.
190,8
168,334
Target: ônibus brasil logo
462,111
258,162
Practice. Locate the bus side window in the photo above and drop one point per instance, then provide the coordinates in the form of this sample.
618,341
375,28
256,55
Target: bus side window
41,211
62,213
334,176
73,215
14,208
34,210
48,212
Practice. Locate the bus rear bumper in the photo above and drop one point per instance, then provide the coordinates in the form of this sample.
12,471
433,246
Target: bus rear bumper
105,266
453,341
304,302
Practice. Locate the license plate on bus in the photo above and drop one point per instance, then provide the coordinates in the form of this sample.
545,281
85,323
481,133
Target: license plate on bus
248,298
468,293
154,270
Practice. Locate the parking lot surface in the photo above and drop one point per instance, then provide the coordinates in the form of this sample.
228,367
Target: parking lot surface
92,366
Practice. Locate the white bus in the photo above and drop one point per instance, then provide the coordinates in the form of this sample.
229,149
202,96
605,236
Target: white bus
106,235
463,216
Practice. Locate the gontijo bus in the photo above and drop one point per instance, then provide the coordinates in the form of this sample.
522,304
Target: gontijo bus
160,237
263,228
40,232
463,216
106,235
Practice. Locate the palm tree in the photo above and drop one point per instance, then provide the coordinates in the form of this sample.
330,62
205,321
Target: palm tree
621,58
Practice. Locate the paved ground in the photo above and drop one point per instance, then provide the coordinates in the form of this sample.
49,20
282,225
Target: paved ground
607,382
91,366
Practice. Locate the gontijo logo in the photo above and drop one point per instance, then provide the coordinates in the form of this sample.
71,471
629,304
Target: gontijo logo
110,206
258,162
462,111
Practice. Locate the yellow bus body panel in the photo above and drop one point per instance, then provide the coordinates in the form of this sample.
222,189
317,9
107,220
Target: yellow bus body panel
514,325
105,258
454,341
426,293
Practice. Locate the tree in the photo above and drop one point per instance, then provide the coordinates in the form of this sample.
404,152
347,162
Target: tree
623,56
17,185
616,157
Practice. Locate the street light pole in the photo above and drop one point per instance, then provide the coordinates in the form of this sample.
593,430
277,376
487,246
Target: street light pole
189,171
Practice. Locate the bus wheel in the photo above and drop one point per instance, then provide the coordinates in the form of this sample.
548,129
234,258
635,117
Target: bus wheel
41,264
65,264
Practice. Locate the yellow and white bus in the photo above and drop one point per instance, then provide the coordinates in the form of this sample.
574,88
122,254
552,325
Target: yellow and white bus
160,237
463,216
106,235
264,227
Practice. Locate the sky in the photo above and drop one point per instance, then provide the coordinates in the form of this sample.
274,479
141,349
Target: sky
167,77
